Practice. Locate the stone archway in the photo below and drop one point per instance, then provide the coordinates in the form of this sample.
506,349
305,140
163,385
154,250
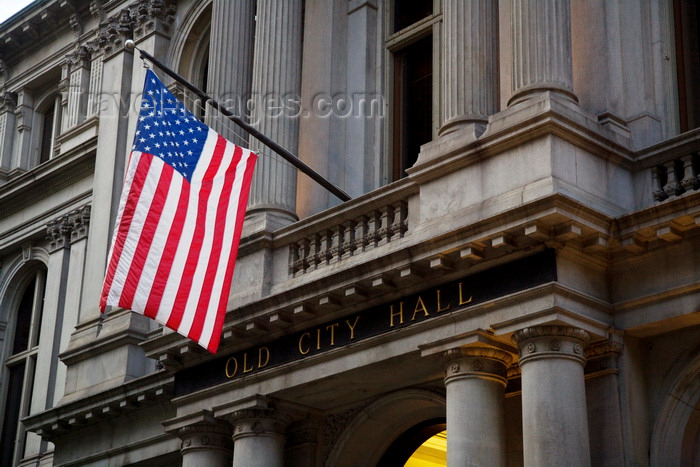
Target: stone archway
375,428
676,435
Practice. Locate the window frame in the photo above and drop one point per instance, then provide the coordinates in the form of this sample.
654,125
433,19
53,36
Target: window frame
35,275
393,43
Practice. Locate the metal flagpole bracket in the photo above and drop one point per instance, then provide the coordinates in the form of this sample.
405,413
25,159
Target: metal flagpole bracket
284,153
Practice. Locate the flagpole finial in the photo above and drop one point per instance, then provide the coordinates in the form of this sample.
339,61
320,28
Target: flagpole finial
129,44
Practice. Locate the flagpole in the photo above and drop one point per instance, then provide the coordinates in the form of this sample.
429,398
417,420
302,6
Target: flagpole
288,156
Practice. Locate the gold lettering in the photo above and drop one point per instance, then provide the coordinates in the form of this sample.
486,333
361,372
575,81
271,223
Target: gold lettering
229,373
301,351
245,364
439,307
331,328
392,314
352,328
461,300
266,351
318,339
420,306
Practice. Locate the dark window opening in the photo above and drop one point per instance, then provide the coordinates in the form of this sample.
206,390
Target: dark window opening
407,13
24,320
47,132
12,411
413,102
687,21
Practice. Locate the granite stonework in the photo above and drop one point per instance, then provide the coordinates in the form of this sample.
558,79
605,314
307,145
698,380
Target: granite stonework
531,284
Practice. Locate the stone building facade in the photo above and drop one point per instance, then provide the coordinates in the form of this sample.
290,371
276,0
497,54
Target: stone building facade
518,265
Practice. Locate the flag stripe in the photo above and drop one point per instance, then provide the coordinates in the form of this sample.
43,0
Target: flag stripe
128,201
145,239
220,228
212,342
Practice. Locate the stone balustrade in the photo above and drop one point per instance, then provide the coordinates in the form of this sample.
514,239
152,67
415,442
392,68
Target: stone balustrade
350,237
675,166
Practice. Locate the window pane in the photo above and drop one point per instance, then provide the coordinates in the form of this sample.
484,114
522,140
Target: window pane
413,102
408,12
24,320
11,418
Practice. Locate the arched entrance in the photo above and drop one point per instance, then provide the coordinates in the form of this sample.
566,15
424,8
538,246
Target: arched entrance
390,429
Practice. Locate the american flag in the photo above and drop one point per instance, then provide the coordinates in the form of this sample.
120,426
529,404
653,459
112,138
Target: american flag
179,220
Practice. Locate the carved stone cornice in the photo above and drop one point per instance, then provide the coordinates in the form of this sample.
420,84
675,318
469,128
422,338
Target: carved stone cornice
538,342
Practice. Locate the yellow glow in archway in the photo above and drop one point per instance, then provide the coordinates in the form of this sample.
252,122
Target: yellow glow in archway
432,453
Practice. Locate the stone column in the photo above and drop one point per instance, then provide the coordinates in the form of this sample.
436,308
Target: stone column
469,71
475,378
206,444
258,438
541,34
231,61
276,89
555,423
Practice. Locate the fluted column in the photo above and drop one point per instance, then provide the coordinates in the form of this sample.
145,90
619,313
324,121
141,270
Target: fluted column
555,423
541,32
475,379
231,61
258,438
276,89
206,444
469,71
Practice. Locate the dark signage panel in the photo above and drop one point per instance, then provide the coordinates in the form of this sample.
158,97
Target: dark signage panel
393,316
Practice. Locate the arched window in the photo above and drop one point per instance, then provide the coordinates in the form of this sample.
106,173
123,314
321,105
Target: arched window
19,365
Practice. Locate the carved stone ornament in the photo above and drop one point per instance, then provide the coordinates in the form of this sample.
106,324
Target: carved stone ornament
483,362
206,436
258,422
153,16
551,342
8,102
80,57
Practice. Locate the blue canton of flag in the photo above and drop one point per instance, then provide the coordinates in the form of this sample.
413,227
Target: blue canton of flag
168,130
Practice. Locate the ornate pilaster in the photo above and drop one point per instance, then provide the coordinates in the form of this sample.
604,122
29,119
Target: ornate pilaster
555,420
469,65
8,103
258,437
78,84
206,444
276,88
475,380
24,114
541,32
230,59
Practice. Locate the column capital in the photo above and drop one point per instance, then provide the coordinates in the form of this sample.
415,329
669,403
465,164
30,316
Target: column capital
480,362
258,422
215,435
551,342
